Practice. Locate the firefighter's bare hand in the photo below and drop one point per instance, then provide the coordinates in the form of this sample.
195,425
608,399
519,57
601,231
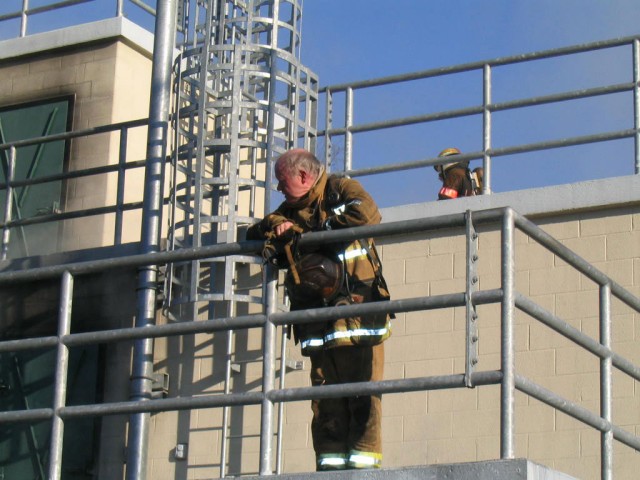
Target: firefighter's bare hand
282,228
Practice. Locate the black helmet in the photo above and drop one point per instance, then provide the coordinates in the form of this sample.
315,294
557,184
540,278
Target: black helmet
318,278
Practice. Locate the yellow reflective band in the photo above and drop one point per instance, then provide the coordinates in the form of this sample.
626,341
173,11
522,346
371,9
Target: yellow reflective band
349,254
365,460
359,332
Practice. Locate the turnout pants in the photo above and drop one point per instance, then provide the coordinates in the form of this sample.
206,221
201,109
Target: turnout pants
347,431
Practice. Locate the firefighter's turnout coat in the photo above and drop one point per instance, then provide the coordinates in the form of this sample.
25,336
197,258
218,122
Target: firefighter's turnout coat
346,432
336,202
458,181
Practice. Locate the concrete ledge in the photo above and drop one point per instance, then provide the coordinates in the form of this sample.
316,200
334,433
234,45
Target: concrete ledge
517,469
71,37
571,197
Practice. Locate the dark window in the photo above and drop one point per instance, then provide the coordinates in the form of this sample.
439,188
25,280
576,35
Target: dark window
32,120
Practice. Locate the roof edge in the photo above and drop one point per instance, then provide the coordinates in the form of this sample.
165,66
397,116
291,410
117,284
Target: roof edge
534,202
116,27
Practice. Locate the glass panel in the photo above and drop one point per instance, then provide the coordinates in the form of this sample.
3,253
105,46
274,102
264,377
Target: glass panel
32,162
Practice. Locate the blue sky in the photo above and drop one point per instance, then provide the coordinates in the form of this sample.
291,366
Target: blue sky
346,41
351,40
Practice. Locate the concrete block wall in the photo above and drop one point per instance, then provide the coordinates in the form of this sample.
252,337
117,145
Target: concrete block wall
458,426
110,82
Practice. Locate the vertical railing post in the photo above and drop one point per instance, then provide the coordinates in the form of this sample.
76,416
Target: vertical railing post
60,381
24,18
268,370
328,121
283,371
507,354
142,364
636,102
122,160
486,129
606,364
119,8
471,314
8,206
348,136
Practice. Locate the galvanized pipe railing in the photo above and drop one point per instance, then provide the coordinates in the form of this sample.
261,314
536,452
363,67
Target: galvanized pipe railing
151,233
485,110
270,395
26,11
120,168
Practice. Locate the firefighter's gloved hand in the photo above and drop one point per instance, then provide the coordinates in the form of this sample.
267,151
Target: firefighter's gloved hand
274,250
270,253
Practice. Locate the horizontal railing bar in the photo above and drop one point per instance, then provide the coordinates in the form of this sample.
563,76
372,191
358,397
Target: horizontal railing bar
575,335
33,415
566,254
76,133
390,306
166,330
478,110
162,405
254,398
144,7
56,217
114,167
404,121
496,152
561,97
252,321
138,260
478,65
42,9
576,411
28,344
438,382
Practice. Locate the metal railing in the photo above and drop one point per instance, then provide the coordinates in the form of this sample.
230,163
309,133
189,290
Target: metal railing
9,153
26,11
349,128
506,376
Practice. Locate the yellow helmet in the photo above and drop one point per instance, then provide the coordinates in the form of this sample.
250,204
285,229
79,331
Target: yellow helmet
447,152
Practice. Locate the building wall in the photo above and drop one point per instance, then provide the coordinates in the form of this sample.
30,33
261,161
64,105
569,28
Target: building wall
446,425
110,82
109,79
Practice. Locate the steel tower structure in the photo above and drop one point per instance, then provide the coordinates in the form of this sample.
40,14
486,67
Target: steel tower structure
241,98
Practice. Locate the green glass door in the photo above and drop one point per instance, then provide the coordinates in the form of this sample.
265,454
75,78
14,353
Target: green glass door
35,161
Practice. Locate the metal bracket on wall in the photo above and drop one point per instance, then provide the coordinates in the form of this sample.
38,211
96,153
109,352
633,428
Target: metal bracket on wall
471,288
294,364
160,385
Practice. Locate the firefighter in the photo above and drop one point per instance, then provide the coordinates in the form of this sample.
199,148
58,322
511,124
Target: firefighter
457,179
346,431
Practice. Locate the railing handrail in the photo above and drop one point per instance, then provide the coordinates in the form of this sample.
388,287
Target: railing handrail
26,12
484,109
9,151
479,65
141,122
504,216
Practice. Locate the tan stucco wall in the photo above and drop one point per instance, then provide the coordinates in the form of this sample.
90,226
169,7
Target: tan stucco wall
446,425
110,82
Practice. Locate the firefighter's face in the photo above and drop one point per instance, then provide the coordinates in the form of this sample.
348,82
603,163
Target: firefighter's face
293,185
